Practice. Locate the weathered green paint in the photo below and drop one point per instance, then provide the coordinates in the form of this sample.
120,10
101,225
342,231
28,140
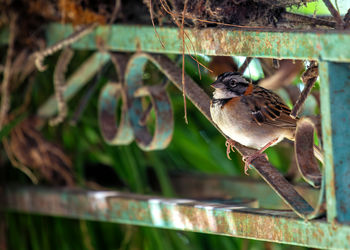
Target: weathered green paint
325,45
203,186
114,132
164,121
335,103
75,82
182,214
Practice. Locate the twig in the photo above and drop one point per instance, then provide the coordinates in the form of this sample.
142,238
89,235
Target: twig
245,65
17,164
155,30
307,19
5,91
116,9
59,83
40,55
198,62
183,60
335,13
167,9
26,101
309,78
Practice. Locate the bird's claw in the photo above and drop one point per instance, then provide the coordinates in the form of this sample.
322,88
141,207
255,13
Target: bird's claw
249,158
229,147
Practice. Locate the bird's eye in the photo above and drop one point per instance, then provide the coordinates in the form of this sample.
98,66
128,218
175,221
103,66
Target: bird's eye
233,84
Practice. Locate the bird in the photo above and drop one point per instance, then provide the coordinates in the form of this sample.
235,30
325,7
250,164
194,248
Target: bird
250,115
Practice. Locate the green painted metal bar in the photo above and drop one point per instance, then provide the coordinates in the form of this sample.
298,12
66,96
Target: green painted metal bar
335,101
202,186
75,82
224,219
325,45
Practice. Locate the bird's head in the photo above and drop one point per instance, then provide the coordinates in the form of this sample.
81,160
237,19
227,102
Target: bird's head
228,85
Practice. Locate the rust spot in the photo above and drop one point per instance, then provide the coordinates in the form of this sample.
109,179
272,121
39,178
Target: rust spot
138,45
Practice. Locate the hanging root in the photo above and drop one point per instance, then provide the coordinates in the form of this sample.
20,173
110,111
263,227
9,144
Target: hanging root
183,60
40,55
152,19
5,91
59,83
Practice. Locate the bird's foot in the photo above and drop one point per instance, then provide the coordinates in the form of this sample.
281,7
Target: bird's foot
229,147
249,158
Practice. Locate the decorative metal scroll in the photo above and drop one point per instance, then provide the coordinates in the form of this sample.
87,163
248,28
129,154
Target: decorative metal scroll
306,162
132,125
107,106
130,88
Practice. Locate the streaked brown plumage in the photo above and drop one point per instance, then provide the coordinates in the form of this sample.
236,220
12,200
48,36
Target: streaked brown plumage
251,115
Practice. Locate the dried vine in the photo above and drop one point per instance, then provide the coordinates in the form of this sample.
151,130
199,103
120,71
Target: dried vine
5,91
40,55
59,83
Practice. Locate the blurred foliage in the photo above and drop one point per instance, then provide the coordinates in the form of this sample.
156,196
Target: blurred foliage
319,8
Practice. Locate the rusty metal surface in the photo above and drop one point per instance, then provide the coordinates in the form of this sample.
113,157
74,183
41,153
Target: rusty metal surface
326,45
131,90
182,214
201,186
112,133
304,152
335,101
160,101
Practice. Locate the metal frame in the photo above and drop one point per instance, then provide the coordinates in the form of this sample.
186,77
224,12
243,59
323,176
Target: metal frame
235,219
329,48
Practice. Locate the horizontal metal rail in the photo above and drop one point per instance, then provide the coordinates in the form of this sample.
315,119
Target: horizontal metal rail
236,220
320,45
203,187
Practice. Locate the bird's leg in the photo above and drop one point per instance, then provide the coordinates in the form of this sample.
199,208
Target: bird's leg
229,146
248,159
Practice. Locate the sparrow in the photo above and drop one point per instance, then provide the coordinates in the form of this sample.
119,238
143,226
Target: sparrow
249,114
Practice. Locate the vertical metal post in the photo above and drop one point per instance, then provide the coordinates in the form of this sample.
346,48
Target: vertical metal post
335,110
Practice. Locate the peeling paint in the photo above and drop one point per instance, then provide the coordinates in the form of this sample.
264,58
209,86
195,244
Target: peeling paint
190,215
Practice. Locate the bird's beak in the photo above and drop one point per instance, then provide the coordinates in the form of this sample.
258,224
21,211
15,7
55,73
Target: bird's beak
217,85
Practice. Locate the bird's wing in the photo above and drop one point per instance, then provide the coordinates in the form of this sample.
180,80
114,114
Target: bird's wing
268,108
